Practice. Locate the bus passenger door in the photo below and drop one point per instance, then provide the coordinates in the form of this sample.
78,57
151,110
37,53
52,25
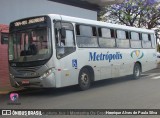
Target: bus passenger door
66,53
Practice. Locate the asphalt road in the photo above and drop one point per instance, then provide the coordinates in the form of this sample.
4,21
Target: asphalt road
119,93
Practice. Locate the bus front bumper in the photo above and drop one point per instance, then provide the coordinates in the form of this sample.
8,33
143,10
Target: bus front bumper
38,82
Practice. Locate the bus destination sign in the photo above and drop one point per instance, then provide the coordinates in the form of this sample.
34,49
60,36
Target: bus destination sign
29,21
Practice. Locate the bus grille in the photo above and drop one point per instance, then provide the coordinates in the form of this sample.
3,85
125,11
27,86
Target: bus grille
26,69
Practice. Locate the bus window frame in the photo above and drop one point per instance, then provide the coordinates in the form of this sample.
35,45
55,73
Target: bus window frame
63,21
140,38
107,37
115,33
123,39
147,41
97,35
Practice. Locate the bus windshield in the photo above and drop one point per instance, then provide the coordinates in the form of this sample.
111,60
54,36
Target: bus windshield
29,45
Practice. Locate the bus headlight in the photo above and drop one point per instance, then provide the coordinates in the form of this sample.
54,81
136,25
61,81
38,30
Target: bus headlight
47,73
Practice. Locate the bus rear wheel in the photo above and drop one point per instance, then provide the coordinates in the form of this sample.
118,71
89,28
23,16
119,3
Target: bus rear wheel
137,71
84,80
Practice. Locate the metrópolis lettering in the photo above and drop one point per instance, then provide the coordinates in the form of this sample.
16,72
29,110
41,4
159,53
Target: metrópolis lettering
93,56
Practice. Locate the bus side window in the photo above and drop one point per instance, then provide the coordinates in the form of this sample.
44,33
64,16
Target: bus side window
146,42
66,45
121,34
122,39
112,33
145,37
86,30
135,40
106,32
86,36
69,40
105,38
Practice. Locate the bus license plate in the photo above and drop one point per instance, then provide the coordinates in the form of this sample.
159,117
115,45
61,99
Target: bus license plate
25,82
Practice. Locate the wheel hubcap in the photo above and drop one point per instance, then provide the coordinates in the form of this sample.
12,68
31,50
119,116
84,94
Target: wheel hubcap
84,79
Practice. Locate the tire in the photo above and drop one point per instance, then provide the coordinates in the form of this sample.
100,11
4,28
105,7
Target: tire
84,80
136,71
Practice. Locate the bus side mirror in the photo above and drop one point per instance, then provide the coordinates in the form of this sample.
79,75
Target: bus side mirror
63,33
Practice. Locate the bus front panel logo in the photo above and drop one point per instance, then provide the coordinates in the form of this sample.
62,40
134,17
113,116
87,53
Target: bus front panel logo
137,53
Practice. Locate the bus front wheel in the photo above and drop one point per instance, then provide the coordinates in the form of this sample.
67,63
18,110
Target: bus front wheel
84,80
137,71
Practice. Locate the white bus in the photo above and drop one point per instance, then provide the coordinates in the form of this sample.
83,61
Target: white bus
56,51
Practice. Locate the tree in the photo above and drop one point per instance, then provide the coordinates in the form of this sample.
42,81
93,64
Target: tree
137,13
101,13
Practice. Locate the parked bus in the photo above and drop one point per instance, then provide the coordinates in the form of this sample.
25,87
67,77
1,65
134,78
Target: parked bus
4,74
57,51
